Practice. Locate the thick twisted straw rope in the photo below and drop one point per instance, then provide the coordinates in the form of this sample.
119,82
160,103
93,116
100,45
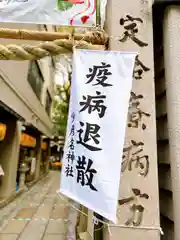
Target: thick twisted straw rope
30,52
62,43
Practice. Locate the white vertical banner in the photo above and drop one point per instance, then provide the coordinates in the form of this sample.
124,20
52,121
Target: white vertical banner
100,92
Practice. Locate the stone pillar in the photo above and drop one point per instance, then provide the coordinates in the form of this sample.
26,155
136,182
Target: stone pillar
23,170
38,156
172,76
9,157
129,24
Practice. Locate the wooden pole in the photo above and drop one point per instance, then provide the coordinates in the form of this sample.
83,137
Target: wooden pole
97,37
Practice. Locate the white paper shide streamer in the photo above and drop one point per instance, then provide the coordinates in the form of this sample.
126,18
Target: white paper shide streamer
100,91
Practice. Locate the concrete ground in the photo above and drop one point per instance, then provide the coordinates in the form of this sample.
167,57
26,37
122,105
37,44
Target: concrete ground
39,214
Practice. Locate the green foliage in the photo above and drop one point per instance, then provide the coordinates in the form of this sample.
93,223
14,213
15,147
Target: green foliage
63,6
60,114
61,108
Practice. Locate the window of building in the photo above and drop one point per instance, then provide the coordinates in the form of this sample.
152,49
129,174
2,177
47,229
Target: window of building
35,78
48,103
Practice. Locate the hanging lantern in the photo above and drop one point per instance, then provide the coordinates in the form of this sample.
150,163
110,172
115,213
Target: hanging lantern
2,131
27,140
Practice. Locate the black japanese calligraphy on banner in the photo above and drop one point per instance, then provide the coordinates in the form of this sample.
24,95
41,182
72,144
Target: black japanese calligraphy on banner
85,172
73,117
89,134
99,75
69,171
94,103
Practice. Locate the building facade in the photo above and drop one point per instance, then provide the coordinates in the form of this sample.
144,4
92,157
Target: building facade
26,93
